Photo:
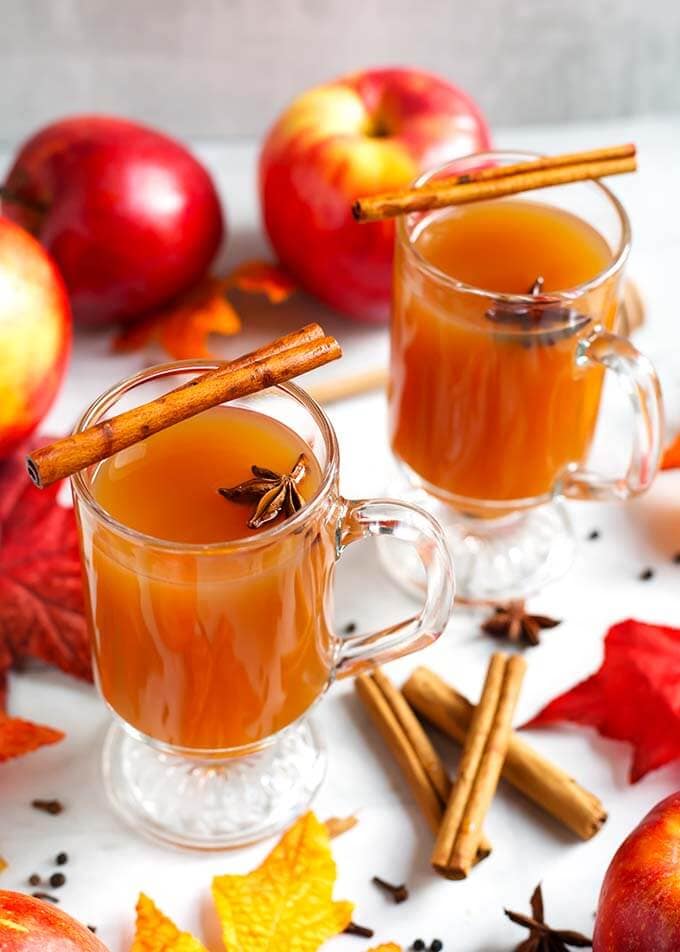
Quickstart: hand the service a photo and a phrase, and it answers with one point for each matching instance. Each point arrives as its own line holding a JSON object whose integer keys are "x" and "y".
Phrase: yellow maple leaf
{"x": 156, "y": 933}
{"x": 286, "y": 903}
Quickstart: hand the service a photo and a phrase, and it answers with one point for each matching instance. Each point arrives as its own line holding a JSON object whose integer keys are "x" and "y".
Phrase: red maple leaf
{"x": 635, "y": 695}
{"x": 41, "y": 599}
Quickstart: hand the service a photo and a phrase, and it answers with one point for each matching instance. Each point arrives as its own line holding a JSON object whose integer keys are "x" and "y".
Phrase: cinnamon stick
{"x": 276, "y": 363}
{"x": 479, "y": 769}
{"x": 410, "y": 747}
{"x": 537, "y": 778}
{"x": 626, "y": 151}
{"x": 497, "y": 182}
{"x": 352, "y": 385}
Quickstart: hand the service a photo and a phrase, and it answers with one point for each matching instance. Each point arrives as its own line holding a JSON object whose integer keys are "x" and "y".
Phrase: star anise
{"x": 551, "y": 320}
{"x": 511, "y": 620}
{"x": 274, "y": 493}
{"x": 541, "y": 937}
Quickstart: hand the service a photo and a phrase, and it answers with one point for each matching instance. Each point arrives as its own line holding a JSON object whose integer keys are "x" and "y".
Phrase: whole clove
{"x": 354, "y": 929}
{"x": 53, "y": 807}
{"x": 398, "y": 893}
{"x": 44, "y": 896}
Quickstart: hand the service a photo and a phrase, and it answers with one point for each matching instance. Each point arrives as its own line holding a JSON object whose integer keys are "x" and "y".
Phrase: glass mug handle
{"x": 364, "y": 518}
{"x": 642, "y": 385}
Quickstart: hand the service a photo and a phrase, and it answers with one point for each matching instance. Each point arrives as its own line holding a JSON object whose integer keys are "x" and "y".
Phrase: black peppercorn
{"x": 34, "y": 879}
{"x": 646, "y": 574}
{"x": 436, "y": 945}
{"x": 594, "y": 534}
{"x": 418, "y": 945}
{"x": 57, "y": 880}
{"x": 61, "y": 859}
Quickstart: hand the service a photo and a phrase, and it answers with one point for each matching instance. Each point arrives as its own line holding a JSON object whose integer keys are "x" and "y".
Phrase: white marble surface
{"x": 109, "y": 864}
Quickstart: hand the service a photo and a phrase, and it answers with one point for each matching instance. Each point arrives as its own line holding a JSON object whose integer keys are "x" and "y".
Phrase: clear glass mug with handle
{"x": 494, "y": 398}
{"x": 210, "y": 657}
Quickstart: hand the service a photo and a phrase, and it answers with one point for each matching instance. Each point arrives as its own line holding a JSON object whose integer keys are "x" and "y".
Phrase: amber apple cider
{"x": 481, "y": 407}
{"x": 219, "y": 636}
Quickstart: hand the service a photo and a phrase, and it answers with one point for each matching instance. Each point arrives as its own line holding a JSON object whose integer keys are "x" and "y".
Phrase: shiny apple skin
{"x": 130, "y": 217}
{"x": 364, "y": 133}
{"x": 33, "y": 925}
{"x": 36, "y": 329}
{"x": 639, "y": 907}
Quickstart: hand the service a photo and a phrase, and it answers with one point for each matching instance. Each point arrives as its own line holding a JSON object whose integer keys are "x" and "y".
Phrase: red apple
{"x": 639, "y": 908}
{"x": 364, "y": 133}
{"x": 129, "y": 215}
{"x": 35, "y": 334}
{"x": 33, "y": 925}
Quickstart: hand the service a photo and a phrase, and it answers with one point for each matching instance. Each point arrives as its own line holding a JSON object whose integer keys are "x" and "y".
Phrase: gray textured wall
{"x": 225, "y": 67}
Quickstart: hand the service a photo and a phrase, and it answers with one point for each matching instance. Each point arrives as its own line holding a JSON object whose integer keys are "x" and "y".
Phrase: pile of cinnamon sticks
{"x": 456, "y": 810}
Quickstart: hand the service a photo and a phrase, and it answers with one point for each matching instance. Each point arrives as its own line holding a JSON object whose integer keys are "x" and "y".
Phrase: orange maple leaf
{"x": 183, "y": 326}
{"x": 286, "y": 903}
{"x": 259, "y": 277}
{"x": 19, "y": 737}
{"x": 156, "y": 933}
{"x": 671, "y": 455}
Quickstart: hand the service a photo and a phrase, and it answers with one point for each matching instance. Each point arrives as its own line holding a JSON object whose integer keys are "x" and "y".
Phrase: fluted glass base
{"x": 211, "y": 803}
{"x": 495, "y": 559}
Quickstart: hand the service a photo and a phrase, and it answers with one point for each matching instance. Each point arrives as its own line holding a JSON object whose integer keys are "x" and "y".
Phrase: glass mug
{"x": 494, "y": 398}
{"x": 211, "y": 656}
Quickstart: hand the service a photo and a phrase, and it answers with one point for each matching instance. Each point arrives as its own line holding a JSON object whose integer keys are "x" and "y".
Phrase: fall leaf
{"x": 635, "y": 695}
{"x": 156, "y": 933}
{"x": 286, "y": 903}
{"x": 183, "y": 326}
{"x": 259, "y": 277}
{"x": 18, "y": 737}
{"x": 41, "y": 602}
{"x": 337, "y": 825}
{"x": 671, "y": 455}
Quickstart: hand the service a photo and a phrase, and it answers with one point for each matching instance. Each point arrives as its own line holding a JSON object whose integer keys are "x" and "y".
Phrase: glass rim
{"x": 620, "y": 255}
{"x": 108, "y": 399}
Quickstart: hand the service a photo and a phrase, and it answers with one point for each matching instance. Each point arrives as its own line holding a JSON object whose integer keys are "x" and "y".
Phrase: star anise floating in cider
{"x": 551, "y": 320}
{"x": 541, "y": 937}
{"x": 511, "y": 620}
{"x": 274, "y": 493}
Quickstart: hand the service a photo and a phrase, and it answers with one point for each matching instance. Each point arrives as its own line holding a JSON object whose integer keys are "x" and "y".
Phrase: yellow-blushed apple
{"x": 364, "y": 133}
{"x": 35, "y": 334}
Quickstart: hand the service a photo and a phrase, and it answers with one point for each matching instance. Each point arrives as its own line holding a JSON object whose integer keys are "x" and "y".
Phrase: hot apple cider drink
{"x": 508, "y": 274}
{"x": 200, "y": 662}
{"x": 210, "y": 521}
{"x": 488, "y": 401}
